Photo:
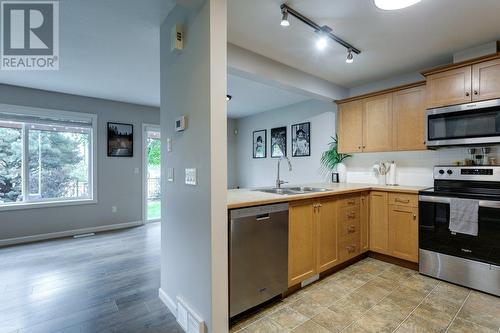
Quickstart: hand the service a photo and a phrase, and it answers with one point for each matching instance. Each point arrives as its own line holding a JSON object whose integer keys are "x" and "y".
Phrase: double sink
{"x": 292, "y": 190}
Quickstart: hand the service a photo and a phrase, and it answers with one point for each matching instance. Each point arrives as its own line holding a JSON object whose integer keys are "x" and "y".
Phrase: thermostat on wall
{"x": 180, "y": 124}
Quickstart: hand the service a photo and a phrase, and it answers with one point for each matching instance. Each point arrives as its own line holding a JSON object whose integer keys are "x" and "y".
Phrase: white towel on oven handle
{"x": 464, "y": 216}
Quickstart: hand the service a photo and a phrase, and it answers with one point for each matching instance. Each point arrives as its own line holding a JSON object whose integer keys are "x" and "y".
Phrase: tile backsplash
{"x": 413, "y": 168}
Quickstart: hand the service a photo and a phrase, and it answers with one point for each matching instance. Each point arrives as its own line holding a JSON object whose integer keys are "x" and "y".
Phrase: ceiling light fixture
{"x": 350, "y": 57}
{"x": 228, "y": 98}
{"x": 284, "y": 18}
{"x": 324, "y": 31}
{"x": 395, "y": 4}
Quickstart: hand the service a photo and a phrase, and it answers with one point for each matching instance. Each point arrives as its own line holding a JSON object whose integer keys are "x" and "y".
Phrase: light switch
{"x": 190, "y": 176}
{"x": 170, "y": 174}
{"x": 169, "y": 145}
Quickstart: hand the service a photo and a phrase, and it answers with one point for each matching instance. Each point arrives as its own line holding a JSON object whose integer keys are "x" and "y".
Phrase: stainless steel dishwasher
{"x": 258, "y": 255}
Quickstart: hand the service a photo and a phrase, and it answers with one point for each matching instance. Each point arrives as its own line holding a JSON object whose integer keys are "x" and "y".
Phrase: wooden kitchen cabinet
{"x": 403, "y": 232}
{"x": 409, "y": 119}
{"x": 486, "y": 80}
{"x": 302, "y": 237}
{"x": 327, "y": 246}
{"x": 350, "y": 129}
{"x": 379, "y": 222}
{"x": 377, "y": 123}
{"x": 449, "y": 87}
{"x": 365, "y": 222}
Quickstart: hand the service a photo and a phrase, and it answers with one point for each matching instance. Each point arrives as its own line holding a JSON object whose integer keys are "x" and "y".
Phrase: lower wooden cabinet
{"x": 327, "y": 234}
{"x": 403, "y": 232}
{"x": 379, "y": 222}
{"x": 365, "y": 222}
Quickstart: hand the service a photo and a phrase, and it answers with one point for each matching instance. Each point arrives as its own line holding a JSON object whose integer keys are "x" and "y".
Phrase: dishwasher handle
{"x": 263, "y": 217}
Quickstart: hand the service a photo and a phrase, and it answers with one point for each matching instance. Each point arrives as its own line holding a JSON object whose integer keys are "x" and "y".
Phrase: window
{"x": 46, "y": 157}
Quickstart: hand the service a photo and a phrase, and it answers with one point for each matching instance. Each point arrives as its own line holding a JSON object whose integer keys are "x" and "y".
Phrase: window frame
{"x": 63, "y": 115}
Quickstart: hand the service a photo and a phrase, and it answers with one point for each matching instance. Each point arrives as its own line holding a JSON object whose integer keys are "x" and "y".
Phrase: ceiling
{"x": 108, "y": 49}
{"x": 251, "y": 97}
{"x": 392, "y": 42}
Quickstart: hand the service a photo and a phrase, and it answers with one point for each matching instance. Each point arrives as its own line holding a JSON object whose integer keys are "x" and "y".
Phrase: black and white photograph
{"x": 278, "y": 142}
{"x": 301, "y": 140}
{"x": 120, "y": 140}
{"x": 260, "y": 144}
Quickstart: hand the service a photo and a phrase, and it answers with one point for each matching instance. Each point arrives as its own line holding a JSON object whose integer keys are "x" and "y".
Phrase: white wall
{"x": 262, "y": 172}
{"x": 194, "y": 218}
{"x": 117, "y": 184}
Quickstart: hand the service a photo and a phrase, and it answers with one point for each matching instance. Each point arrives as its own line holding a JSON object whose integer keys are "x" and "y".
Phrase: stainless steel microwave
{"x": 465, "y": 124}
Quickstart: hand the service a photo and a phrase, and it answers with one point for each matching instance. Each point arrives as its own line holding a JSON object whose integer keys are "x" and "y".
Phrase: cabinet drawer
{"x": 349, "y": 228}
{"x": 349, "y": 213}
{"x": 402, "y": 199}
{"x": 349, "y": 201}
{"x": 349, "y": 247}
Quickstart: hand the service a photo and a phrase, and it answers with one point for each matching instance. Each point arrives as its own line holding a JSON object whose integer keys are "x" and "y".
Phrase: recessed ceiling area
{"x": 251, "y": 97}
{"x": 391, "y": 42}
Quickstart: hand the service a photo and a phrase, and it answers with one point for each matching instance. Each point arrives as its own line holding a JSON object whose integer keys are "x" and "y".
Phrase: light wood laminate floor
{"x": 105, "y": 283}
{"x": 374, "y": 296}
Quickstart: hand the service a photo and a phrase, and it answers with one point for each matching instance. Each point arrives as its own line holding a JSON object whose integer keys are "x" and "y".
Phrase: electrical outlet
{"x": 114, "y": 209}
{"x": 136, "y": 171}
{"x": 191, "y": 176}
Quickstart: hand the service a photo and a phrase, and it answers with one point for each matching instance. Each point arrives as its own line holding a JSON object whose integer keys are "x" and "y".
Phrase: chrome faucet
{"x": 278, "y": 181}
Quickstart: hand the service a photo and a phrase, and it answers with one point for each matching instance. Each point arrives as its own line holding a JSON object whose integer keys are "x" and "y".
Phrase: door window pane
{"x": 58, "y": 162}
{"x": 10, "y": 162}
{"x": 154, "y": 175}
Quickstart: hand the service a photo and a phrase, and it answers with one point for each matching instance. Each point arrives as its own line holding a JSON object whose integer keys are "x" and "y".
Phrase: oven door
{"x": 466, "y": 124}
{"x": 435, "y": 236}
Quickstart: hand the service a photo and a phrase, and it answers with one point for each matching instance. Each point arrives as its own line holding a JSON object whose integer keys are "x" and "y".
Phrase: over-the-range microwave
{"x": 465, "y": 124}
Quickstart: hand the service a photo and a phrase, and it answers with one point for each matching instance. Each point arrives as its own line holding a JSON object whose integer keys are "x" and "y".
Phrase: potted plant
{"x": 332, "y": 160}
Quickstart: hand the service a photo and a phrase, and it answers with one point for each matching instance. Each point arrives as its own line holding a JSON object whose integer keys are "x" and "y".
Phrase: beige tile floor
{"x": 374, "y": 296}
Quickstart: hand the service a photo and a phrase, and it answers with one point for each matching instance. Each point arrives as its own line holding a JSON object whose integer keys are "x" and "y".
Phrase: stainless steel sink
{"x": 292, "y": 190}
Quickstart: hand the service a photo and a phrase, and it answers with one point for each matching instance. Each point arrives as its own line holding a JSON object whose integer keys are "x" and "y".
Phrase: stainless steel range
{"x": 469, "y": 260}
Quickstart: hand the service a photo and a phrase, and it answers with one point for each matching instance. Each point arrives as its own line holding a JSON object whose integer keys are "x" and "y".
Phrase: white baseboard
{"x": 169, "y": 303}
{"x": 68, "y": 233}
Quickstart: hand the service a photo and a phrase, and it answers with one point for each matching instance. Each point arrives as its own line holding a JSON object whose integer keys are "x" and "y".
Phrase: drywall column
{"x": 194, "y": 218}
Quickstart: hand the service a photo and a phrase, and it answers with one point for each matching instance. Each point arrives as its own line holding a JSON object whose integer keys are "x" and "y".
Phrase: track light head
{"x": 284, "y": 18}
{"x": 350, "y": 57}
{"x": 228, "y": 98}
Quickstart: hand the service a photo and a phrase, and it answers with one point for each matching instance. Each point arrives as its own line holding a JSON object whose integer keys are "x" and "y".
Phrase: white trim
{"x": 145, "y": 127}
{"x": 69, "y": 115}
{"x": 46, "y": 204}
{"x": 169, "y": 302}
{"x": 67, "y": 233}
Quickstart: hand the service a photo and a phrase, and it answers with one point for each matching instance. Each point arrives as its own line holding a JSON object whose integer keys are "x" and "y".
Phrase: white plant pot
{"x": 342, "y": 171}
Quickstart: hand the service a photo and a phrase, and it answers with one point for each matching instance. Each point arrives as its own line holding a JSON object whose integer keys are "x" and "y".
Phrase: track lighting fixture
{"x": 350, "y": 57}
{"x": 228, "y": 98}
{"x": 325, "y": 32}
{"x": 284, "y": 18}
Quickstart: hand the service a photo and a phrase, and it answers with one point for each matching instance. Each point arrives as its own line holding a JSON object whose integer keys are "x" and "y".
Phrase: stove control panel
{"x": 478, "y": 173}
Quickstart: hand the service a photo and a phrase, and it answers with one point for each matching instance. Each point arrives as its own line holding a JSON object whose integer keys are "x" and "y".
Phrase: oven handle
{"x": 446, "y": 200}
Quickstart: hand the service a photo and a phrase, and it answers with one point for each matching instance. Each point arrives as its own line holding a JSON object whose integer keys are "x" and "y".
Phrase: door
{"x": 152, "y": 173}
{"x": 364, "y": 222}
{"x": 409, "y": 119}
{"x": 486, "y": 80}
{"x": 326, "y": 219}
{"x": 403, "y": 232}
{"x": 377, "y": 123}
{"x": 301, "y": 242}
{"x": 449, "y": 87}
{"x": 379, "y": 222}
{"x": 350, "y": 127}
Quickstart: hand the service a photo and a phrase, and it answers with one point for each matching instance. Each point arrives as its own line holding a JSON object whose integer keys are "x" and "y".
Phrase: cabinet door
{"x": 379, "y": 222}
{"x": 403, "y": 232}
{"x": 450, "y": 87}
{"x": 301, "y": 242}
{"x": 326, "y": 221}
{"x": 409, "y": 119}
{"x": 377, "y": 123}
{"x": 486, "y": 80}
{"x": 350, "y": 129}
{"x": 364, "y": 222}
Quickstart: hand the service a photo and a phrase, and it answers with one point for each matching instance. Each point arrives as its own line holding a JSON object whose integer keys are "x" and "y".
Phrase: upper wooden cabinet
{"x": 486, "y": 80}
{"x": 388, "y": 121}
{"x": 469, "y": 81}
{"x": 449, "y": 88}
{"x": 409, "y": 119}
{"x": 377, "y": 121}
{"x": 350, "y": 128}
